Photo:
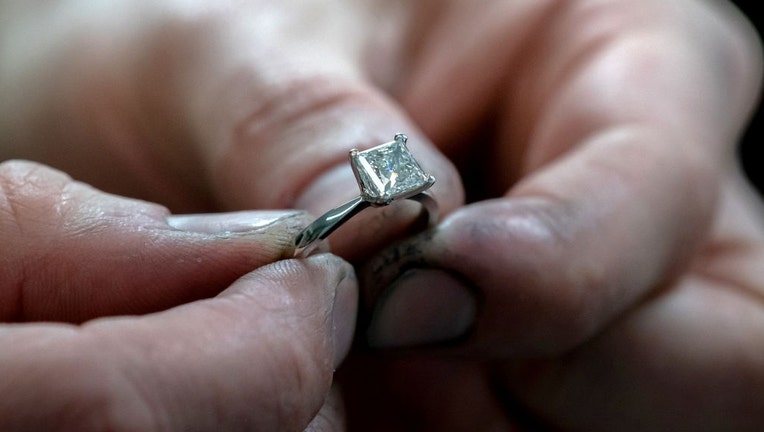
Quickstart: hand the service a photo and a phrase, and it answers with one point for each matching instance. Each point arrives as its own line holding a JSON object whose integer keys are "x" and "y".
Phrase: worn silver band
{"x": 333, "y": 219}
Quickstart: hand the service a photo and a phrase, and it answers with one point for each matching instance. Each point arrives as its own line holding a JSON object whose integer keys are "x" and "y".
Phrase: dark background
{"x": 753, "y": 164}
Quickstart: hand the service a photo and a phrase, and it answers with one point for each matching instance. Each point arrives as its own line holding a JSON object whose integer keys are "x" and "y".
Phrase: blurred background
{"x": 753, "y": 164}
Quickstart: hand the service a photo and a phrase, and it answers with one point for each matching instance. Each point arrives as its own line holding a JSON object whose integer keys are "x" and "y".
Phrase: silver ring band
{"x": 334, "y": 218}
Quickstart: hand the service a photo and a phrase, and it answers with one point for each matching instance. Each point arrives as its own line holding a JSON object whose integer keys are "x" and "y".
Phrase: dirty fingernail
{"x": 344, "y": 317}
{"x": 237, "y": 222}
{"x": 422, "y": 307}
{"x": 330, "y": 189}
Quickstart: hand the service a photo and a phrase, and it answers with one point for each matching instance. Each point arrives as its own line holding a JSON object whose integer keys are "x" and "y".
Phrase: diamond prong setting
{"x": 388, "y": 172}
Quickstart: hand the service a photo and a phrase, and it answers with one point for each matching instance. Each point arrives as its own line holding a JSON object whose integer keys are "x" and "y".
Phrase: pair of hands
{"x": 605, "y": 273}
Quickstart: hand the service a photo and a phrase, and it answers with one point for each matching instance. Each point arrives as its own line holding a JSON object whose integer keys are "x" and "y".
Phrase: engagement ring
{"x": 385, "y": 174}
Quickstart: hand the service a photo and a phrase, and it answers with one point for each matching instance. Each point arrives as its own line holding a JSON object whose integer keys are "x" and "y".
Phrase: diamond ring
{"x": 385, "y": 173}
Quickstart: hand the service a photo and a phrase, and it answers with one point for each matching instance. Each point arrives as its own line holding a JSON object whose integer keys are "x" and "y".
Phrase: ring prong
{"x": 401, "y": 138}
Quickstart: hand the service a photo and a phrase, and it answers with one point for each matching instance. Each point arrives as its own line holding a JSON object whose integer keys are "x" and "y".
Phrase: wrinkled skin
{"x": 610, "y": 254}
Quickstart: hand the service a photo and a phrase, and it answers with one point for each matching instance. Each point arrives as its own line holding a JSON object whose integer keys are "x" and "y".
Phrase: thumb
{"x": 72, "y": 253}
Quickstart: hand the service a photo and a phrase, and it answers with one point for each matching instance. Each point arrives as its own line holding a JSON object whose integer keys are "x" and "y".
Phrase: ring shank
{"x": 333, "y": 219}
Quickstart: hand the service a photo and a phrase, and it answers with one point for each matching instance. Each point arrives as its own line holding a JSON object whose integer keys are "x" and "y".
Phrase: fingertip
{"x": 422, "y": 307}
{"x": 344, "y": 315}
{"x": 319, "y": 284}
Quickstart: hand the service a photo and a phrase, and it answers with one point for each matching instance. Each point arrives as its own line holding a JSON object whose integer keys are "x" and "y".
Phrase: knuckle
{"x": 290, "y": 112}
{"x": 295, "y": 364}
{"x": 296, "y": 101}
{"x": 28, "y": 192}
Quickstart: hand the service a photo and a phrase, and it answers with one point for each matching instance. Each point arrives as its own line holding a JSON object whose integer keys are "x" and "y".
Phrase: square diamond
{"x": 388, "y": 172}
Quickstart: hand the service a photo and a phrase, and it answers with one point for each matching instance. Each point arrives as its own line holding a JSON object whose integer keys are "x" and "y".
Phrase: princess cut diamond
{"x": 388, "y": 172}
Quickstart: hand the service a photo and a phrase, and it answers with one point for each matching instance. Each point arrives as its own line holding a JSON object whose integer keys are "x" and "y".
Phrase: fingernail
{"x": 238, "y": 222}
{"x": 332, "y": 188}
{"x": 344, "y": 316}
{"x": 422, "y": 307}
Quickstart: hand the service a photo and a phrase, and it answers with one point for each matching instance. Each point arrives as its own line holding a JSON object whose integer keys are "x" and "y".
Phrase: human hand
{"x": 616, "y": 282}
{"x": 246, "y": 105}
{"x": 208, "y": 344}
{"x": 203, "y": 107}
